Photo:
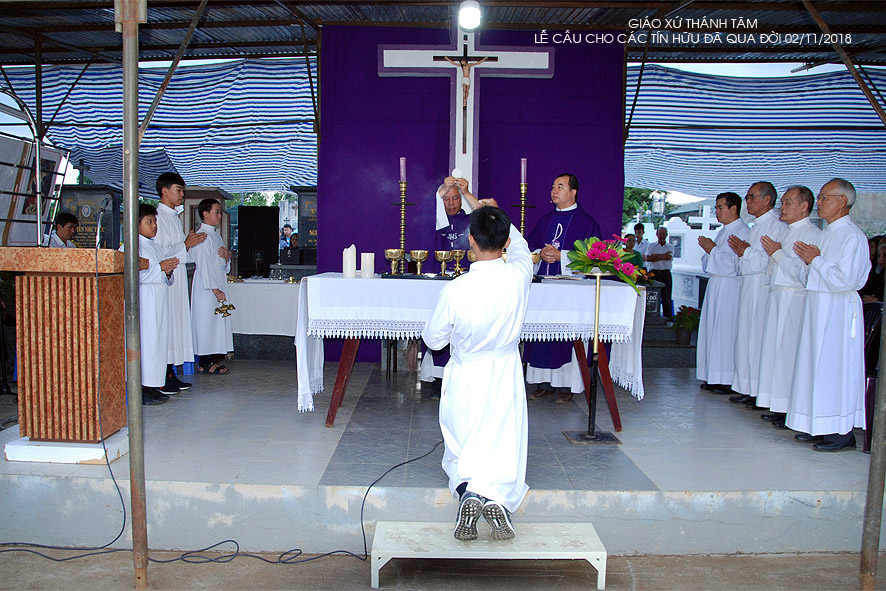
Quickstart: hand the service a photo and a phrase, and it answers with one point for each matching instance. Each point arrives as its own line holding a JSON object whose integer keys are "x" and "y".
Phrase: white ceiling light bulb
{"x": 469, "y": 15}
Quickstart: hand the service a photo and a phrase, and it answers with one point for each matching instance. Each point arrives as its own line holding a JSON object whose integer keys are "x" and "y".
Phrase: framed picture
{"x": 677, "y": 242}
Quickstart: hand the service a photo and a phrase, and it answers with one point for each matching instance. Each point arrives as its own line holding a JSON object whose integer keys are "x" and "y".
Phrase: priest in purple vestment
{"x": 551, "y": 363}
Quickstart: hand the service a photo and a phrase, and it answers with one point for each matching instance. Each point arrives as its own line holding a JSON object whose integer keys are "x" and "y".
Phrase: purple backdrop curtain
{"x": 569, "y": 123}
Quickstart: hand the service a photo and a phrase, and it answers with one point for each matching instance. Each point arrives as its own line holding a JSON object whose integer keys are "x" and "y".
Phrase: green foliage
{"x": 687, "y": 318}
{"x": 260, "y": 198}
{"x": 637, "y": 199}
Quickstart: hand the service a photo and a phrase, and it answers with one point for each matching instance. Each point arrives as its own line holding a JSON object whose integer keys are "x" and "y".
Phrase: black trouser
{"x": 667, "y": 304}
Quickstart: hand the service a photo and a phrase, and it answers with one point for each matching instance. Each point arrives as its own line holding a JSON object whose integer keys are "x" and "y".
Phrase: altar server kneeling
{"x": 483, "y": 397}
{"x": 153, "y": 310}
{"x": 213, "y": 335}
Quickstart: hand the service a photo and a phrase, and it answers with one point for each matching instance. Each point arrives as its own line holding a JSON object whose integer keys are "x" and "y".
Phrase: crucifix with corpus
{"x": 465, "y": 65}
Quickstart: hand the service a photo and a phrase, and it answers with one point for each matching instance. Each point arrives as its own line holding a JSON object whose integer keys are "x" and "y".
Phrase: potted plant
{"x": 685, "y": 321}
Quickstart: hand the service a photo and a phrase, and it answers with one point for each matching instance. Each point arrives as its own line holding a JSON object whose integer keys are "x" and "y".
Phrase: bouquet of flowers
{"x": 645, "y": 277}
{"x": 604, "y": 255}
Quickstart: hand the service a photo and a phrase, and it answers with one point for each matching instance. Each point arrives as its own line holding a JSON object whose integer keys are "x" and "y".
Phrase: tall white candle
{"x": 403, "y": 169}
{"x": 522, "y": 170}
{"x": 367, "y": 265}
{"x": 349, "y": 262}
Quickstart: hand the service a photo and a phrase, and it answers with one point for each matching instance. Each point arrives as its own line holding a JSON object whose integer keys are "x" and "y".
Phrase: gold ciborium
{"x": 472, "y": 257}
{"x": 443, "y": 256}
{"x": 457, "y": 256}
{"x": 225, "y": 309}
{"x": 394, "y": 255}
{"x": 419, "y": 256}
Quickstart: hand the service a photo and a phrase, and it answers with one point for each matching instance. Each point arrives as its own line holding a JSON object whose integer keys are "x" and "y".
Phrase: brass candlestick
{"x": 402, "y": 203}
{"x": 457, "y": 256}
{"x": 419, "y": 256}
{"x": 524, "y": 187}
{"x": 442, "y": 256}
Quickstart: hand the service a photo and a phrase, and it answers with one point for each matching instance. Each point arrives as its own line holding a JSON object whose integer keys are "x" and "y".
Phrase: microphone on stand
{"x": 98, "y": 228}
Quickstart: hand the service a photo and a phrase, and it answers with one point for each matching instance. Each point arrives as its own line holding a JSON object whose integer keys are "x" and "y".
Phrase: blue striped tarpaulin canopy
{"x": 703, "y": 134}
{"x": 247, "y": 125}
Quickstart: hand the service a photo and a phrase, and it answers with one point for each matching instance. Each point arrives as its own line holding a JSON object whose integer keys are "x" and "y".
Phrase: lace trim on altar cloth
{"x": 611, "y": 333}
{"x": 387, "y": 329}
{"x": 628, "y": 380}
{"x": 365, "y": 329}
{"x": 306, "y": 403}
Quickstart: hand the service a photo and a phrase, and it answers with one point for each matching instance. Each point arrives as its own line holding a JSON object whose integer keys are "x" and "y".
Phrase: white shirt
{"x": 657, "y": 248}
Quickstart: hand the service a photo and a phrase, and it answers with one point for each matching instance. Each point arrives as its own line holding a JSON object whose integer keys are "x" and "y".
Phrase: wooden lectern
{"x": 69, "y": 341}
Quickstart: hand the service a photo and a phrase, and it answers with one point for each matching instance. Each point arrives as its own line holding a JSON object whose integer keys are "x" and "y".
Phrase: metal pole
{"x": 873, "y": 509}
{"x": 129, "y": 23}
{"x": 38, "y": 138}
{"x": 847, "y": 61}
{"x": 595, "y": 365}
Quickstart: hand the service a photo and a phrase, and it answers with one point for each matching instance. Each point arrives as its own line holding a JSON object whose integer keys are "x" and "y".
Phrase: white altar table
{"x": 330, "y": 306}
{"x": 264, "y": 306}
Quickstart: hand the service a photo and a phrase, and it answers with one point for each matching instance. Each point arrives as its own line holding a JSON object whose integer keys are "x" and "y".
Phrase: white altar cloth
{"x": 331, "y": 306}
{"x": 264, "y": 306}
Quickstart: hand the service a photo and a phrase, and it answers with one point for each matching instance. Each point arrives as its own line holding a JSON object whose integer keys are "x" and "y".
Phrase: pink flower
{"x": 628, "y": 268}
{"x": 619, "y": 238}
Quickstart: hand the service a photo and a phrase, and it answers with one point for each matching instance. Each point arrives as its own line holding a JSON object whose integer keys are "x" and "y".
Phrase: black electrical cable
{"x": 194, "y": 557}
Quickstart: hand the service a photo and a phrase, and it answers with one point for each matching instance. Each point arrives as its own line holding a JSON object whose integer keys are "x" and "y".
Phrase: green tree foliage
{"x": 255, "y": 198}
{"x": 637, "y": 199}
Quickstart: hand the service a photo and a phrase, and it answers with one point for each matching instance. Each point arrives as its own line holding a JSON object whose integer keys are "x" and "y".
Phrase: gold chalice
{"x": 471, "y": 256}
{"x": 536, "y": 257}
{"x": 419, "y": 256}
{"x": 443, "y": 256}
{"x": 394, "y": 255}
{"x": 457, "y": 256}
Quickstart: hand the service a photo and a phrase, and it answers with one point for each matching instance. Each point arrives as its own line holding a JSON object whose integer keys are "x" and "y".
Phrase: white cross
{"x": 706, "y": 219}
{"x": 500, "y": 62}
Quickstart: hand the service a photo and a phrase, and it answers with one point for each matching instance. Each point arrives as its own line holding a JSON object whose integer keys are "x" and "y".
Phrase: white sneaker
{"x": 468, "y": 515}
{"x": 499, "y": 521}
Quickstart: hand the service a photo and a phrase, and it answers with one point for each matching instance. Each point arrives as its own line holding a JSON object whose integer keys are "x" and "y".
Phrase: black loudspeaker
{"x": 258, "y": 238}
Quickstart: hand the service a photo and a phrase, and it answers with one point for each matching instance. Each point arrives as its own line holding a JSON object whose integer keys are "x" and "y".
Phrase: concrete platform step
{"x": 534, "y": 541}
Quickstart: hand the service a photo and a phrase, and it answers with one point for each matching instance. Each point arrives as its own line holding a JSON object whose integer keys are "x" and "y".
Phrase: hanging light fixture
{"x": 469, "y": 15}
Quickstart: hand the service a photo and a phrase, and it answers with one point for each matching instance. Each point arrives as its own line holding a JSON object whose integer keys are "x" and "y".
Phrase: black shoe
{"x": 168, "y": 388}
{"x": 722, "y": 389}
{"x": 775, "y": 416}
{"x": 740, "y": 398}
{"x": 706, "y": 386}
{"x": 807, "y": 438}
{"x": 835, "y": 445}
{"x": 152, "y": 396}
{"x": 174, "y": 381}
{"x": 779, "y": 424}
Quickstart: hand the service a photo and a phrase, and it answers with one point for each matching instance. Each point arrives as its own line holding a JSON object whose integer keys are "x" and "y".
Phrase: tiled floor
{"x": 244, "y": 427}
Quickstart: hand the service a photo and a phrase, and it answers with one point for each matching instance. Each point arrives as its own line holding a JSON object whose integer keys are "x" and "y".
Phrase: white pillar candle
{"x": 349, "y": 262}
{"x": 367, "y": 265}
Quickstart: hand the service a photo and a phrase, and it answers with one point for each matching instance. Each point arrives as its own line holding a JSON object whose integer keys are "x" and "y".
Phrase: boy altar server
{"x": 153, "y": 299}
{"x": 483, "y": 397}
{"x": 213, "y": 335}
